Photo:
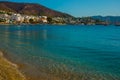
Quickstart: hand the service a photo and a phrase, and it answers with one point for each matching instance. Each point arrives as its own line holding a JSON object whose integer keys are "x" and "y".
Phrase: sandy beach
{"x": 8, "y": 70}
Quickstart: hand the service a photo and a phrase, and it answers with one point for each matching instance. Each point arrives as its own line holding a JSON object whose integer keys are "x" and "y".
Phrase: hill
{"x": 111, "y": 19}
{"x": 30, "y": 9}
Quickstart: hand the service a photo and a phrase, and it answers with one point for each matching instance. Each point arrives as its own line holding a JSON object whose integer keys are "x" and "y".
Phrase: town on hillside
{"x": 16, "y": 18}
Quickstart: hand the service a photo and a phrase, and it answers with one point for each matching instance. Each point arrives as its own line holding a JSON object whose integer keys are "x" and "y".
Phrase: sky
{"x": 80, "y": 8}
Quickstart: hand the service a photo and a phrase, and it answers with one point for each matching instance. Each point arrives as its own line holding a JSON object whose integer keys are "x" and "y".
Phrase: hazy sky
{"x": 80, "y": 8}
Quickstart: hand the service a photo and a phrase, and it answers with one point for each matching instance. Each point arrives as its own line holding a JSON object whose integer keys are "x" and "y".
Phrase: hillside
{"x": 111, "y": 19}
{"x": 30, "y": 9}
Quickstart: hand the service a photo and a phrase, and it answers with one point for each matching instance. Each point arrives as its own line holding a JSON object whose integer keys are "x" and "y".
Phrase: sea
{"x": 63, "y": 52}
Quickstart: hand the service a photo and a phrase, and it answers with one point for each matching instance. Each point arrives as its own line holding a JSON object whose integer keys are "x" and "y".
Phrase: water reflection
{"x": 62, "y": 53}
{"x": 45, "y": 34}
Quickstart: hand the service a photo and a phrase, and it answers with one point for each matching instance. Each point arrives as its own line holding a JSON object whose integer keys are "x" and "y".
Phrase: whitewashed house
{"x": 44, "y": 19}
{"x": 17, "y": 18}
{"x": 5, "y": 17}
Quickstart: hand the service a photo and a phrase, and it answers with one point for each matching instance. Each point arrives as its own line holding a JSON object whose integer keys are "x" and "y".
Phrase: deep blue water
{"x": 67, "y": 52}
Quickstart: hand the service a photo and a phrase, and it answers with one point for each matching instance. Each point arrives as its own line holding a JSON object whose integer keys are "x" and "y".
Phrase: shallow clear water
{"x": 67, "y": 52}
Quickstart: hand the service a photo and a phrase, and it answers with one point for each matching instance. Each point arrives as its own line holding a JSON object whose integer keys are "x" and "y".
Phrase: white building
{"x": 17, "y": 18}
{"x": 5, "y": 17}
{"x": 44, "y": 19}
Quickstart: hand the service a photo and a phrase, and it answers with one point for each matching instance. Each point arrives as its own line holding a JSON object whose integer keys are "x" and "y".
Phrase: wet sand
{"x": 8, "y": 70}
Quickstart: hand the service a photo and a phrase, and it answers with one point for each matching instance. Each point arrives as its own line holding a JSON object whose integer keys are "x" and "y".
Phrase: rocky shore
{"x": 8, "y": 70}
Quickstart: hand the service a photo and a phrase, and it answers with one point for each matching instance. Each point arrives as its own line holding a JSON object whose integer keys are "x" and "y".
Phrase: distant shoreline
{"x": 55, "y": 24}
{"x": 9, "y": 70}
{"x": 36, "y": 24}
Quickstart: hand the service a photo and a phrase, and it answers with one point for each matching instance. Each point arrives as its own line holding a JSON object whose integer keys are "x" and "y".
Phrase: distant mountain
{"x": 30, "y": 9}
{"x": 111, "y": 19}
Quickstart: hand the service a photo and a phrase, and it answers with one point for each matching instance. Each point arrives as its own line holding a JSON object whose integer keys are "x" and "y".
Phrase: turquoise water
{"x": 67, "y": 52}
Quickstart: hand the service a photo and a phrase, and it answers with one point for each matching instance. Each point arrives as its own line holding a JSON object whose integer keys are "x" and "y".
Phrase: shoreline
{"x": 33, "y": 24}
{"x": 9, "y": 70}
{"x": 57, "y": 24}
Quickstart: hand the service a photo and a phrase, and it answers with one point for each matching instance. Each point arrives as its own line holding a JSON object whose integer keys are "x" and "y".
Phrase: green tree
{"x": 49, "y": 19}
{"x": 2, "y": 20}
{"x": 31, "y": 20}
